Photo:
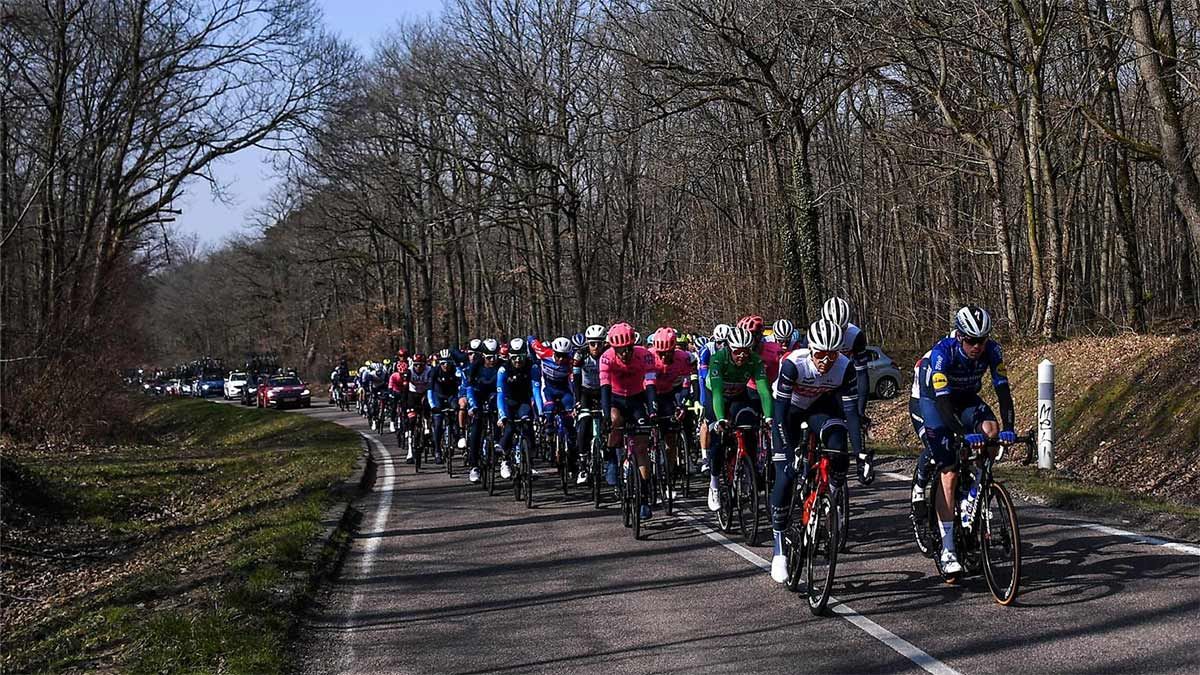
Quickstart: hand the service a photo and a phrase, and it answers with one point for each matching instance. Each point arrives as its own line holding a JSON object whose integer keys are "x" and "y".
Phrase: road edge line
{"x": 896, "y": 643}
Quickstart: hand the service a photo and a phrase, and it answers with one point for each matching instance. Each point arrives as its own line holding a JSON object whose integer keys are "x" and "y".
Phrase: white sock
{"x": 713, "y": 483}
{"x": 947, "y": 536}
{"x": 778, "y": 542}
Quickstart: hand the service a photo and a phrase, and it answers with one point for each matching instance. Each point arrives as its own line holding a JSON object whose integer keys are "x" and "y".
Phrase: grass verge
{"x": 181, "y": 554}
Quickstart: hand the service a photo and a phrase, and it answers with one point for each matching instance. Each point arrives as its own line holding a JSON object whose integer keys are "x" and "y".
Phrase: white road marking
{"x": 1105, "y": 529}
{"x": 378, "y": 525}
{"x": 901, "y": 646}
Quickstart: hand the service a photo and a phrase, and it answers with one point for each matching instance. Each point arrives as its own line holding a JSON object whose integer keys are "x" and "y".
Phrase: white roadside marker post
{"x": 1045, "y": 414}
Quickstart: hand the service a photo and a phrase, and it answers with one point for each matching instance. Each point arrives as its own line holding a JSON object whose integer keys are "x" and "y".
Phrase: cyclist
{"x": 819, "y": 386}
{"x": 585, "y": 387}
{"x": 420, "y": 377}
{"x": 719, "y": 338}
{"x": 949, "y": 380}
{"x": 854, "y": 345}
{"x": 784, "y": 333}
{"x": 729, "y": 372}
{"x": 442, "y": 395}
{"x": 555, "y": 363}
{"x": 627, "y": 376}
{"x": 397, "y": 384}
{"x": 672, "y": 384}
{"x": 479, "y": 379}
{"x": 516, "y": 398}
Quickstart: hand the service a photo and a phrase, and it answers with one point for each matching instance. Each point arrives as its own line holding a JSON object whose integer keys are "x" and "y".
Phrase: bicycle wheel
{"x": 1000, "y": 544}
{"x": 725, "y": 512}
{"x": 416, "y": 440}
{"x": 821, "y": 548}
{"x": 636, "y": 506}
{"x": 745, "y": 490}
{"x": 844, "y": 513}
{"x": 623, "y": 479}
{"x": 561, "y": 451}
{"x": 527, "y": 474}
{"x": 671, "y": 481}
{"x": 685, "y": 467}
{"x": 597, "y": 472}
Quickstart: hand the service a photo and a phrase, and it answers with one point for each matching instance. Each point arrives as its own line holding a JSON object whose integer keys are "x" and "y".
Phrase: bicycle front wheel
{"x": 746, "y": 491}
{"x": 821, "y": 549}
{"x": 844, "y": 517}
{"x": 1000, "y": 544}
{"x": 636, "y": 507}
{"x": 527, "y": 474}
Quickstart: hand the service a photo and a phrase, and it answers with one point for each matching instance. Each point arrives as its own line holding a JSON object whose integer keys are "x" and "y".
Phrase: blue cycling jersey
{"x": 517, "y": 386}
{"x": 480, "y": 383}
{"x": 947, "y": 371}
{"x": 702, "y": 360}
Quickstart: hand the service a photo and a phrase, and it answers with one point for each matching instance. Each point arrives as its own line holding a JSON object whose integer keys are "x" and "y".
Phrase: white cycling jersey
{"x": 800, "y": 382}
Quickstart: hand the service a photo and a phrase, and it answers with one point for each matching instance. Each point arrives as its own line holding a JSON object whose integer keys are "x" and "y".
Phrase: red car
{"x": 283, "y": 391}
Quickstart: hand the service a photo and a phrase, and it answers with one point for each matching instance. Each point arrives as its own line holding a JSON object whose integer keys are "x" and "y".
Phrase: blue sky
{"x": 245, "y": 177}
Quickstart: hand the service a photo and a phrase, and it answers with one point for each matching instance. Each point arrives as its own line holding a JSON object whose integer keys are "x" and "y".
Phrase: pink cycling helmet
{"x": 664, "y": 339}
{"x": 621, "y": 335}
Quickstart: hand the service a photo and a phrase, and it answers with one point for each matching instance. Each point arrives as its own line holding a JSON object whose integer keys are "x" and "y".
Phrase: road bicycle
{"x": 738, "y": 481}
{"x": 629, "y": 482}
{"x": 523, "y": 461}
{"x": 595, "y": 456}
{"x": 987, "y": 536}
{"x": 813, "y": 537}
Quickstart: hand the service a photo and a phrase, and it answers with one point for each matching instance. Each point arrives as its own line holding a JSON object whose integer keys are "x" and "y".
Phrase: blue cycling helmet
{"x": 578, "y": 341}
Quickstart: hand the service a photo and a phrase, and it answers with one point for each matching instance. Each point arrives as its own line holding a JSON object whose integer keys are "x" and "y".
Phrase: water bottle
{"x": 966, "y": 507}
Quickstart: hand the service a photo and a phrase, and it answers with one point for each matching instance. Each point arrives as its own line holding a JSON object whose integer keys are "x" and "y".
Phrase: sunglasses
{"x": 623, "y": 350}
{"x": 975, "y": 342}
{"x": 740, "y": 352}
{"x": 825, "y": 356}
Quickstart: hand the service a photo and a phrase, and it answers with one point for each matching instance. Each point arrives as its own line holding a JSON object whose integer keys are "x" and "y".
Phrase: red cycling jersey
{"x": 398, "y": 382}
{"x": 628, "y": 379}
{"x": 771, "y": 354}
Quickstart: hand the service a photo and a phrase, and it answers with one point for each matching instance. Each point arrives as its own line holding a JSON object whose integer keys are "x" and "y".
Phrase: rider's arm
{"x": 702, "y": 376}
{"x": 433, "y": 402}
{"x": 849, "y": 395}
{"x": 576, "y": 376}
{"x": 536, "y": 376}
{"x": 648, "y": 382}
{"x": 716, "y": 387}
{"x": 501, "y": 405}
{"x": 540, "y": 349}
{"x": 861, "y": 359}
{"x": 605, "y": 387}
{"x": 764, "y": 391}
{"x": 466, "y": 378}
{"x": 1003, "y": 391}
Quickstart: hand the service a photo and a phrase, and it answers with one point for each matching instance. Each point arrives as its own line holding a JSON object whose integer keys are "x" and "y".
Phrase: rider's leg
{"x": 710, "y": 443}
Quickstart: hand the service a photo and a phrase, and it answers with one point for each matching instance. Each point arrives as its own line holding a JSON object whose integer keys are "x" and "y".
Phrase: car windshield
{"x": 285, "y": 382}
{"x": 237, "y": 376}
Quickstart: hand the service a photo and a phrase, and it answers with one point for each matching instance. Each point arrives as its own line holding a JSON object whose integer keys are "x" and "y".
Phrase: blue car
{"x": 208, "y": 385}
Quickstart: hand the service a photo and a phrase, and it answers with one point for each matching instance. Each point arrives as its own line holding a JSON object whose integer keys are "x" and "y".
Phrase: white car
{"x": 234, "y": 384}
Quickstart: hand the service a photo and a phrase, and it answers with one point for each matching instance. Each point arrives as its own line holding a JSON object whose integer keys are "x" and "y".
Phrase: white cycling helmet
{"x": 783, "y": 331}
{"x": 837, "y": 310}
{"x": 475, "y": 344}
{"x": 516, "y": 346}
{"x": 824, "y": 336}
{"x": 490, "y": 346}
{"x": 740, "y": 338}
{"x": 721, "y": 332}
{"x": 594, "y": 332}
{"x": 561, "y": 345}
{"x": 973, "y": 321}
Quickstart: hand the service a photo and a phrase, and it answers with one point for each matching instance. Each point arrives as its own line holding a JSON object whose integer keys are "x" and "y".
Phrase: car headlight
{"x": 306, "y": 393}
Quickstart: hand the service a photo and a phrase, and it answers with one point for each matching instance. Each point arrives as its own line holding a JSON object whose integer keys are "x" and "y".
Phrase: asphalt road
{"x": 441, "y": 578}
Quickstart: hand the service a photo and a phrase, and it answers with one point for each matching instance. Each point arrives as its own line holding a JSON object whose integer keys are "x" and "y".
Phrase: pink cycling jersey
{"x": 673, "y": 375}
{"x": 627, "y": 379}
{"x": 771, "y": 354}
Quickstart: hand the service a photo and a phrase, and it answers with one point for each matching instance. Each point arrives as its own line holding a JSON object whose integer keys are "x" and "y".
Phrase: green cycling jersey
{"x": 727, "y": 379}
